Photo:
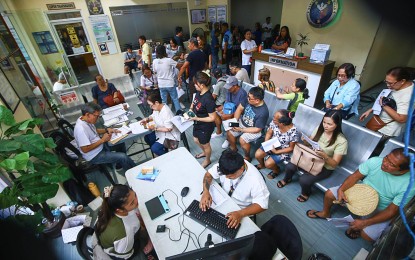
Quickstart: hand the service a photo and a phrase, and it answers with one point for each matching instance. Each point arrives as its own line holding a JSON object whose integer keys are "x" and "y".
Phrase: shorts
{"x": 277, "y": 158}
{"x": 203, "y": 132}
{"x": 247, "y": 137}
{"x": 373, "y": 231}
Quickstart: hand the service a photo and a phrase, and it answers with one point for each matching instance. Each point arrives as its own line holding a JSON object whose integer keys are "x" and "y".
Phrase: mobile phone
{"x": 233, "y": 124}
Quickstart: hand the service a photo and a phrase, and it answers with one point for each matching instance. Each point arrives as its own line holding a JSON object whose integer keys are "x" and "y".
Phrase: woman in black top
{"x": 207, "y": 50}
{"x": 283, "y": 41}
{"x": 204, "y": 122}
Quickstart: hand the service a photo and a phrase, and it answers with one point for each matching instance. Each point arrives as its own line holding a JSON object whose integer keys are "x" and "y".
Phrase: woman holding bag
{"x": 164, "y": 132}
{"x": 105, "y": 94}
{"x": 333, "y": 145}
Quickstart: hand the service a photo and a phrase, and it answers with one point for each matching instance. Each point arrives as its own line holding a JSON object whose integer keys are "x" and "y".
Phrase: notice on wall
{"x": 212, "y": 14}
{"x": 45, "y": 42}
{"x": 102, "y": 29}
{"x": 68, "y": 97}
{"x": 221, "y": 13}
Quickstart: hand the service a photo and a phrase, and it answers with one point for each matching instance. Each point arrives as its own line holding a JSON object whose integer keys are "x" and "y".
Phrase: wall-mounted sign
{"x": 60, "y": 6}
{"x": 321, "y": 12}
{"x": 217, "y": 13}
{"x": 283, "y": 62}
{"x": 94, "y": 7}
{"x": 45, "y": 42}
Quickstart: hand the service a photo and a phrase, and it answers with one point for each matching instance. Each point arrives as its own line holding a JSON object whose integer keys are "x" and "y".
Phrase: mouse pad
{"x": 157, "y": 206}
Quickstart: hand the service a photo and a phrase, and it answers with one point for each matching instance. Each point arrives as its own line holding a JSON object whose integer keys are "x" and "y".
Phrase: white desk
{"x": 178, "y": 169}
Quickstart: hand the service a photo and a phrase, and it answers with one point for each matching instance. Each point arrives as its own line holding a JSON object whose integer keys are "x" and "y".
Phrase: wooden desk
{"x": 318, "y": 76}
{"x": 178, "y": 169}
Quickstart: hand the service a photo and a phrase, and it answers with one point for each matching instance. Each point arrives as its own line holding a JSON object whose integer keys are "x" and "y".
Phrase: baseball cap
{"x": 230, "y": 82}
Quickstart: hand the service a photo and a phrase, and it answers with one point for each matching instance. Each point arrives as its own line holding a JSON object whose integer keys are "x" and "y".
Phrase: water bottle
{"x": 261, "y": 47}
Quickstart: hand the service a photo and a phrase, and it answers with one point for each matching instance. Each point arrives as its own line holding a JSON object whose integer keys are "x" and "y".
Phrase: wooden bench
{"x": 361, "y": 143}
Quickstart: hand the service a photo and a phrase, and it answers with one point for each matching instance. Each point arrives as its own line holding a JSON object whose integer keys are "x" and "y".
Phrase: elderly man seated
{"x": 252, "y": 115}
{"x": 243, "y": 183}
{"x": 93, "y": 147}
{"x": 389, "y": 176}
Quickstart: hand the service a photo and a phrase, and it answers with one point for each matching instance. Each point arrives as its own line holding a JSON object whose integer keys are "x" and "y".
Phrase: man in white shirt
{"x": 61, "y": 83}
{"x": 243, "y": 183}
{"x": 93, "y": 147}
{"x": 266, "y": 29}
{"x": 240, "y": 73}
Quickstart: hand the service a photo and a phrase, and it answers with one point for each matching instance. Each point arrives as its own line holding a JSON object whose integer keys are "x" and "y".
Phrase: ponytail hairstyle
{"x": 337, "y": 119}
{"x": 286, "y": 117}
{"x": 203, "y": 78}
{"x": 302, "y": 85}
{"x": 114, "y": 198}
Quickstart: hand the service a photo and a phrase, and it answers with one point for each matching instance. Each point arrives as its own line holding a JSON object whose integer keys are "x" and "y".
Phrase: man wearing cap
{"x": 235, "y": 95}
{"x": 219, "y": 95}
{"x": 252, "y": 115}
{"x": 243, "y": 183}
{"x": 62, "y": 82}
{"x": 390, "y": 177}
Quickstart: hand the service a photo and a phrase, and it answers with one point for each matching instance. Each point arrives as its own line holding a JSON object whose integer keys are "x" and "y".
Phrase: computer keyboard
{"x": 212, "y": 219}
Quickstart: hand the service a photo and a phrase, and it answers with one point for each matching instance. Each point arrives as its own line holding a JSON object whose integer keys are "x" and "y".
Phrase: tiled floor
{"x": 316, "y": 235}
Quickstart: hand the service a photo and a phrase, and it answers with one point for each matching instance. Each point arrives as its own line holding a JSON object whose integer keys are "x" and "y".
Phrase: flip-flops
{"x": 352, "y": 234}
{"x": 301, "y": 198}
{"x": 271, "y": 175}
{"x": 200, "y": 156}
{"x": 312, "y": 212}
{"x": 282, "y": 185}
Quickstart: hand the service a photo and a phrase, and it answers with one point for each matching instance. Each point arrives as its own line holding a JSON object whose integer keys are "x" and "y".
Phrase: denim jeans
{"x": 156, "y": 147}
{"x": 173, "y": 95}
{"x": 215, "y": 59}
{"x": 106, "y": 156}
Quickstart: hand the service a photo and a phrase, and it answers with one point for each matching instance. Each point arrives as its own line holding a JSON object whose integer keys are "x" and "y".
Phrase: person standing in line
{"x": 266, "y": 32}
{"x": 179, "y": 36}
{"x": 145, "y": 51}
{"x": 215, "y": 47}
{"x": 227, "y": 46}
{"x": 248, "y": 46}
{"x": 257, "y": 34}
{"x": 207, "y": 50}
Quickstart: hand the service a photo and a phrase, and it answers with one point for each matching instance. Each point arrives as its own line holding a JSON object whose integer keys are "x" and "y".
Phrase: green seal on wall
{"x": 321, "y": 12}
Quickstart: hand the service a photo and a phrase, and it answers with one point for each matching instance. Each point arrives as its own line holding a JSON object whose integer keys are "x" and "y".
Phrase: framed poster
{"x": 7, "y": 94}
{"x": 198, "y": 16}
{"x": 221, "y": 13}
{"x": 94, "y": 7}
{"x": 103, "y": 48}
{"x": 45, "y": 42}
{"x": 212, "y": 14}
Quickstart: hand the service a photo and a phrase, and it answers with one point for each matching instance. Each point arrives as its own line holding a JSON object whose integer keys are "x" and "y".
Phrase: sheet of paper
{"x": 114, "y": 108}
{"x": 314, "y": 144}
{"x": 322, "y": 46}
{"x": 113, "y": 114}
{"x": 116, "y": 120}
{"x": 181, "y": 126}
{"x": 226, "y": 123}
{"x": 125, "y": 130}
{"x": 217, "y": 197}
{"x": 376, "y": 106}
{"x": 137, "y": 128}
{"x": 180, "y": 92}
{"x": 271, "y": 144}
{"x": 341, "y": 222}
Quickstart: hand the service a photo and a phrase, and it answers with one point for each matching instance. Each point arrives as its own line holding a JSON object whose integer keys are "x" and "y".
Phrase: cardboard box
{"x": 73, "y": 225}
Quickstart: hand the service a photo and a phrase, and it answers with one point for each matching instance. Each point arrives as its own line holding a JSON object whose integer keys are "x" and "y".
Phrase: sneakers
{"x": 225, "y": 144}
{"x": 214, "y": 135}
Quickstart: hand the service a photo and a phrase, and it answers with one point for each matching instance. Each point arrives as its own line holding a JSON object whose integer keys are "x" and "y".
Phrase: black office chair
{"x": 70, "y": 155}
{"x": 66, "y": 128}
{"x": 85, "y": 250}
{"x": 183, "y": 135}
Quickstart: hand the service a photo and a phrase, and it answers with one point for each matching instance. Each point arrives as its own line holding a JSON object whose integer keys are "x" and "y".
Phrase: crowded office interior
{"x": 207, "y": 129}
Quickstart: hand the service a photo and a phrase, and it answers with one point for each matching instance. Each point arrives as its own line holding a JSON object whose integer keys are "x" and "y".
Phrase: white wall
{"x": 248, "y": 12}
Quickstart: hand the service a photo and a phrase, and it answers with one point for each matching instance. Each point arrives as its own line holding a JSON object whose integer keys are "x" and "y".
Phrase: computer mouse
{"x": 184, "y": 192}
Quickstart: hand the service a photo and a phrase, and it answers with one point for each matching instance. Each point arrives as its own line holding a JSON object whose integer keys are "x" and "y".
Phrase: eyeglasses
{"x": 390, "y": 84}
{"x": 251, "y": 99}
{"x": 390, "y": 162}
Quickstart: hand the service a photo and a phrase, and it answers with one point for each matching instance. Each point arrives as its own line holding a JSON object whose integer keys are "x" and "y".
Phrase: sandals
{"x": 302, "y": 198}
{"x": 280, "y": 184}
{"x": 313, "y": 214}
{"x": 200, "y": 156}
{"x": 352, "y": 234}
{"x": 271, "y": 175}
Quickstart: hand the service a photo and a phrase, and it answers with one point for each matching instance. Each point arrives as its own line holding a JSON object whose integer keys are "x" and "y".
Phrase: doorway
{"x": 78, "y": 52}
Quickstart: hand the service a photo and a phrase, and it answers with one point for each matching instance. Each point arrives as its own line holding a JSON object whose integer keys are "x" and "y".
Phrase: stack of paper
{"x": 271, "y": 144}
{"x": 124, "y": 131}
{"x": 148, "y": 177}
{"x": 181, "y": 123}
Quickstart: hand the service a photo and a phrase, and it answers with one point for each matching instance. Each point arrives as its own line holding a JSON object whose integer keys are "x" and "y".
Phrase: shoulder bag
{"x": 307, "y": 159}
{"x": 171, "y": 144}
{"x": 375, "y": 123}
{"x": 109, "y": 99}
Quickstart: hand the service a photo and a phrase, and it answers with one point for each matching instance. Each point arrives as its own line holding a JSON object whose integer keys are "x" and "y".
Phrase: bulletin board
{"x": 104, "y": 34}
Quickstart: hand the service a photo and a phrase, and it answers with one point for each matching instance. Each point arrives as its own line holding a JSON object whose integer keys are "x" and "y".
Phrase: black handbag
{"x": 171, "y": 144}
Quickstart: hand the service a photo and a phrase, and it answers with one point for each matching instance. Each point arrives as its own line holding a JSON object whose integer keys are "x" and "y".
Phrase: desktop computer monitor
{"x": 238, "y": 248}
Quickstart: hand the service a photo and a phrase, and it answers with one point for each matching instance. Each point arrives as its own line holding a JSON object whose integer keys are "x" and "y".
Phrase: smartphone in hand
{"x": 233, "y": 124}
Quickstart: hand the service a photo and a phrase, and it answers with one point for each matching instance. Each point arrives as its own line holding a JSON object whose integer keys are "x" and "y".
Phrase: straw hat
{"x": 362, "y": 199}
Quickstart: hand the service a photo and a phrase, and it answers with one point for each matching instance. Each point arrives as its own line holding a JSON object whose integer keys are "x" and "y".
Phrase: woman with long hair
{"x": 164, "y": 67}
{"x": 333, "y": 145}
{"x": 120, "y": 229}
{"x": 283, "y": 40}
{"x": 204, "y": 122}
{"x": 283, "y": 128}
{"x": 162, "y": 126}
{"x": 297, "y": 94}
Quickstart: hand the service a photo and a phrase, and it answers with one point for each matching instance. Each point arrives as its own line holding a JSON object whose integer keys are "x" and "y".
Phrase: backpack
{"x": 229, "y": 108}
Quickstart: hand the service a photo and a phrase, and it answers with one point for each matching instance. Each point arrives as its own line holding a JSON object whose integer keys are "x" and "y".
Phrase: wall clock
{"x": 321, "y": 12}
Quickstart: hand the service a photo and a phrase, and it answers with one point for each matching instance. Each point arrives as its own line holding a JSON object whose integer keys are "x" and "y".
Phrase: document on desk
{"x": 217, "y": 196}
{"x": 341, "y": 222}
{"x": 115, "y": 137}
{"x": 137, "y": 128}
{"x": 376, "y": 106}
{"x": 271, "y": 144}
{"x": 113, "y": 114}
{"x": 314, "y": 144}
{"x": 114, "y": 108}
{"x": 226, "y": 123}
{"x": 181, "y": 123}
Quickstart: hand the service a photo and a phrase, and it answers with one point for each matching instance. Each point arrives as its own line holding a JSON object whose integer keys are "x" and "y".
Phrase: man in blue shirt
{"x": 215, "y": 46}
{"x": 226, "y": 46}
{"x": 390, "y": 177}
